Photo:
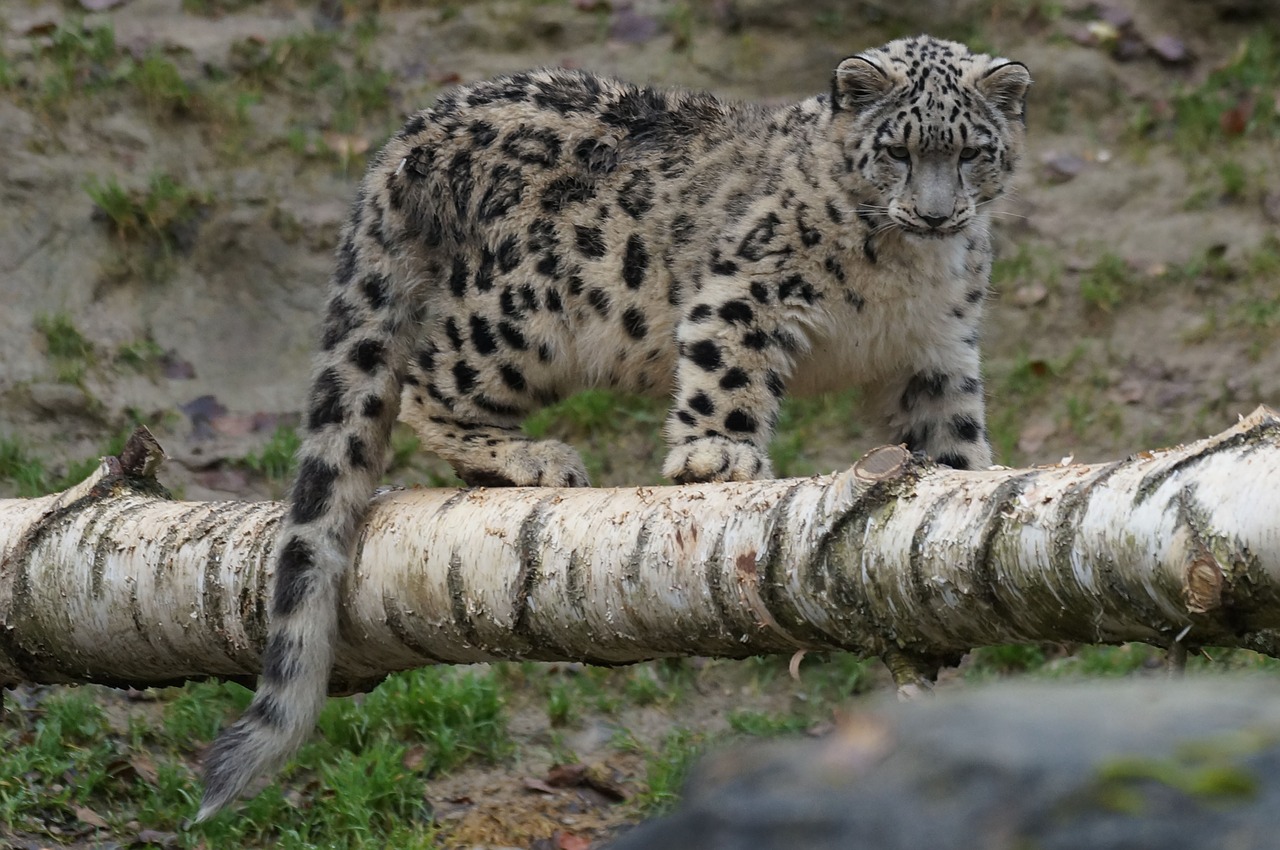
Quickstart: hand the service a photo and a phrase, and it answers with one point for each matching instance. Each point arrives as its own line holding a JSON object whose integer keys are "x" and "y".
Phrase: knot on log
{"x": 1202, "y": 584}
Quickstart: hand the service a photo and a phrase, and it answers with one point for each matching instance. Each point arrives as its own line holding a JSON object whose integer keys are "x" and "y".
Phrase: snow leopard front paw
{"x": 525, "y": 463}
{"x": 716, "y": 459}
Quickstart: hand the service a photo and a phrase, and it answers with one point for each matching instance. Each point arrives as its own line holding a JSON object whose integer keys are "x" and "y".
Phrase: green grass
{"x": 667, "y": 767}
{"x": 29, "y": 475}
{"x": 71, "y": 352}
{"x": 1235, "y": 180}
{"x": 276, "y": 460}
{"x": 763, "y": 724}
{"x": 1106, "y": 283}
{"x": 1017, "y": 387}
{"x": 62, "y": 338}
{"x": 592, "y": 421}
{"x": 364, "y": 780}
{"x": 161, "y": 87}
{"x": 370, "y": 761}
{"x": 1250, "y": 307}
{"x": 25, "y": 473}
{"x": 156, "y": 215}
{"x": 808, "y": 423}
{"x": 77, "y": 61}
{"x": 141, "y": 355}
{"x": 562, "y": 707}
{"x": 63, "y": 760}
{"x": 1237, "y": 100}
{"x": 370, "y": 767}
{"x": 456, "y": 716}
{"x": 990, "y": 662}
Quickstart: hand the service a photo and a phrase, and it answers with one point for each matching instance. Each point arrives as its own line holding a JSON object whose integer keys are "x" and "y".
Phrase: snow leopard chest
{"x": 902, "y": 307}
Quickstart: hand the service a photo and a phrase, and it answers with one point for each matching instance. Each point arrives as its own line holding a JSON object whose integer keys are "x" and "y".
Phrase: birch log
{"x": 113, "y": 582}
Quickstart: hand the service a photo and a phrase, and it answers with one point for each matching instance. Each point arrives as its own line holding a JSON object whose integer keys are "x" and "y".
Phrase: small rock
{"x": 58, "y": 399}
{"x": 41, "y": 20}
{"x": 175, "y": 368}
{"x": 1128, "y": 391}
{"x": 1030, "y": 295}
{"x": 631, "y": 27}
{"x": 1128, "y": 47}
{"x": 202, "y": 411}
{"x": 1271, "y": 207}
{"x": 1170, "y": 50}
{"x": 1059, "y": 168}
{"x": 126, "y": 129}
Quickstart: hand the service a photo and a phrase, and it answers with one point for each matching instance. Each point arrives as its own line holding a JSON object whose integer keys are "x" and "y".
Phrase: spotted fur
{"x": 544, "y": 232}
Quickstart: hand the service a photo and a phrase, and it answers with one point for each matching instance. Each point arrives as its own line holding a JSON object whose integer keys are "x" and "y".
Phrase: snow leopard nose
{"x": 934, "y": 221}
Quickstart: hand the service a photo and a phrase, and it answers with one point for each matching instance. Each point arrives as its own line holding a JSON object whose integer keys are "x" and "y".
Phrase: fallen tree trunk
{"x": 112, "y": 582}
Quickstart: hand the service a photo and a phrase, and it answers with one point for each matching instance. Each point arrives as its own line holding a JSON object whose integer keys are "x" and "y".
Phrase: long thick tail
{"x": 354, "y": 400}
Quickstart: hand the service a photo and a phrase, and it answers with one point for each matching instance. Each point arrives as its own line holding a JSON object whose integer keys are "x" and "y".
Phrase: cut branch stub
{"x": 142, "y": 454}
{"x": 882, "y": 463}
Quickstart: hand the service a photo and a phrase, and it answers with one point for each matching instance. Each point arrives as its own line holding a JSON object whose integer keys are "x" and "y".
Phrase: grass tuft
{"x": 72, "y": 354}
{"x": 276, "y": 461}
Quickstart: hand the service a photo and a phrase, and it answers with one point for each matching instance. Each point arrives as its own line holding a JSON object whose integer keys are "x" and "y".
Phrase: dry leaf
{"x": 793, "y": 667}
{"x": 566, "y": 775}
{"x": 143, "y": 765}
{"x": 1235, "y": 120}
{"x": 569, "y": 841}
{"x": 89, "y": 817}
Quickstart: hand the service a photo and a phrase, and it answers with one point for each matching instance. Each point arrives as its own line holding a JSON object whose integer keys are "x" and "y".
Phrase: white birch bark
{"x": 109, "y": 582}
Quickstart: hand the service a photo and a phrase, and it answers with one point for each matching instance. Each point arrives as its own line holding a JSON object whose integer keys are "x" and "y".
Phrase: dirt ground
{"x": 1137, "y": 299}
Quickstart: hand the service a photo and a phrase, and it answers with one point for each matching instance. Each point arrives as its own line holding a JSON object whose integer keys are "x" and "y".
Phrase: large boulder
{"x": 1137, "y": 765}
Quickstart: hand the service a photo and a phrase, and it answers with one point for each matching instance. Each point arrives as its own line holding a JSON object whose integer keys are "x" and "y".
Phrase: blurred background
{"x": 173, "y": 176}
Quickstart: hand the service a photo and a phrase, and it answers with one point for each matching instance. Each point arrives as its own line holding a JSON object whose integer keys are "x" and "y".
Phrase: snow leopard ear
{"x": 1005, "y": 84}
{"x": 857, "y": 83}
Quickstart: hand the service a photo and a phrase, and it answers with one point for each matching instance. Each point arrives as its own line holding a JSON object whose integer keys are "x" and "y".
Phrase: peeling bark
{"x": 113, "y": 582}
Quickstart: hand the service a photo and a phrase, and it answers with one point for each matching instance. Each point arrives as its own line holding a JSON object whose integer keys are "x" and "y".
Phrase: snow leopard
{"x": 544, "y": 232}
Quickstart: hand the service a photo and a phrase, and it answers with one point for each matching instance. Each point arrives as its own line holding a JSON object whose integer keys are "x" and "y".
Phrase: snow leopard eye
{"x": 967, "y": 154}
{"x": 899, "y": 152}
